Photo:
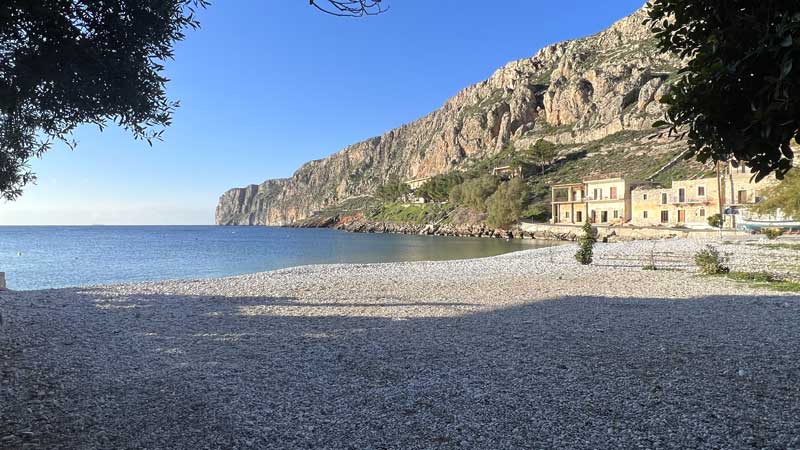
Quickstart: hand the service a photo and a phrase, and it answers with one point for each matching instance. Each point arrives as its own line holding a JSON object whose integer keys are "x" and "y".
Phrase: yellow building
{"x": 568, "y": 203}
{"x": 616, "y": 201}
{"x": 686, "y": 203}
{"x": 605, "y": 201}
{"x": 691, "y": 202}
{"x": 608, "y": 201}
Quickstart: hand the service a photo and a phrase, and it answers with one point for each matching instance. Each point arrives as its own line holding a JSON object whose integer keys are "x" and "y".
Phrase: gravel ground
{"x": 526, "y": 350}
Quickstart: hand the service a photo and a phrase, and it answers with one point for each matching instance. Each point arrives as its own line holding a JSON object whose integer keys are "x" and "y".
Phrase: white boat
{"x": 758, "y": 225}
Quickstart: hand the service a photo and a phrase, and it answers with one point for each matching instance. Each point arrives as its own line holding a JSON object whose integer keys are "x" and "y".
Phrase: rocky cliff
{"x": 572, "y": 93}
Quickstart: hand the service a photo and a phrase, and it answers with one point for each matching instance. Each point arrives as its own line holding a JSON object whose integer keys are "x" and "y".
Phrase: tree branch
{"x": 349, "y": 8}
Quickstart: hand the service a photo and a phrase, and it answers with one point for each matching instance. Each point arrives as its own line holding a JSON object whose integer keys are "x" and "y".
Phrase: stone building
{"x": 685, "y": 203}
{"x": 604, "y": 201}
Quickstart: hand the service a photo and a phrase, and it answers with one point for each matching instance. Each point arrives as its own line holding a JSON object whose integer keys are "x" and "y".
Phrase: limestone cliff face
{"x": 572, "y": 92}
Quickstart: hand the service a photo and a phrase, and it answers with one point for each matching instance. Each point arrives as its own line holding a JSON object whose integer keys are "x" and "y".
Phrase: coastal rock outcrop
{"x": 573, "y": 92}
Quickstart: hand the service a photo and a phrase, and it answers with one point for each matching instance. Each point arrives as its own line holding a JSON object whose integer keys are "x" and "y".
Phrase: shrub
{"x": 438, "y": 188}
{"x": 710, "y": 262}
{"x": 505, "y": 205}
{"x": 715, "y": 220}
{"x": 772, "y": 233}
{"x": 587, "y": 240}
{"x": 538, "y": 212}
{"x": 392, "y": 190}
{"x": 473, "y": 193}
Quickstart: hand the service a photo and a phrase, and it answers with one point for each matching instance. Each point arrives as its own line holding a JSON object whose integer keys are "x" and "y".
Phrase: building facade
{"x": 606, "y": 201}
{"x": 685, "y": 203}
{"x": 568, "y": 203}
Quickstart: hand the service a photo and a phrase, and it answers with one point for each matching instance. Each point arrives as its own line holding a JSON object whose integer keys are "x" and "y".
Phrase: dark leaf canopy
{"x": 738, "y": 98}
{"x": 69, "y": 62}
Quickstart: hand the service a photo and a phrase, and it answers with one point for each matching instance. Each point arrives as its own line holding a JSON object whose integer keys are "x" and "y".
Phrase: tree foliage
{"x": 438, "y": 188}
{"x": 739, "y": 95}
{"x": 69, "y": 62}
{"x": 474, "y": 192}
{"x": 392, "y": 190}
{"x": 784, "y": 196}
{"x": 542, "y": 153}
{"x": 507, "y": 203}
{"x": 585, "y": 252}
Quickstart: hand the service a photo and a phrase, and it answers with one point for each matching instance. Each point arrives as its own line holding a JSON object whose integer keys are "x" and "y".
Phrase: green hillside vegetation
{"x": 543, "y": 164}
{"x": 507, "y": 203}
{"x": 392, "y": 190}
{"x": 438, "y": 188}
{"x": 415, "y": 214}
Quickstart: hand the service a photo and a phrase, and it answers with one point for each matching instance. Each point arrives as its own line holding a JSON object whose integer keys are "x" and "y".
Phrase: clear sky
{"x": 266, "y": 85}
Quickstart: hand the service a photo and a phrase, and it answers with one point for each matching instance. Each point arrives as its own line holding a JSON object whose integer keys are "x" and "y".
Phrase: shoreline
{"x": 521, "y": 349}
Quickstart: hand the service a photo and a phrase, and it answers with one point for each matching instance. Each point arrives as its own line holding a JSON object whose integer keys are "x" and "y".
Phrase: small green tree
{"x": 587, "y": 240}
{"x": 715, "y": 220}
{"x": 542, "y": 153}
{"x": 507, "y": 203}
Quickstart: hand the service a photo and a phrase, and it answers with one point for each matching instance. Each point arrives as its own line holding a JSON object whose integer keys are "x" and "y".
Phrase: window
{"x": 566, "y": 214}
{"x": 664, "y": 216}
{"x": 598, "y": 194}
{"x": 681, "y": 195}
{"x": 613, "y": 193}
{"x": 579, "y": 216}
{"x": 603, "y": 216}
{"x": 644, "y": 196}
{"x": 701, "y": 212}
{"x": 644, "y": 214}
{"x": 664, "y": 198}
{"x": 616, "y": 214}
{"x": 701, "y": 191}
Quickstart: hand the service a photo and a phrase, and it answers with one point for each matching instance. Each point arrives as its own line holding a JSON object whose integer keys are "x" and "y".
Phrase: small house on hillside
{"x": 507, "y": 172}
{"x": 417, "y": 183}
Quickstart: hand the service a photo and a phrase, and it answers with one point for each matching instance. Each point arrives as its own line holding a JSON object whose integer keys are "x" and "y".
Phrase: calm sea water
{"x": 49, "y": 257}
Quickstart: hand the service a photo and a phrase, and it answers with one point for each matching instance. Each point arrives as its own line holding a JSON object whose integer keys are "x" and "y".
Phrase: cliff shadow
{"x": 569, "y": 372}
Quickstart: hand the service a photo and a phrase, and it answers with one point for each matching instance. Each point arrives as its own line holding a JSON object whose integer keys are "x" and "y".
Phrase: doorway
{"x": 681, "y": 216}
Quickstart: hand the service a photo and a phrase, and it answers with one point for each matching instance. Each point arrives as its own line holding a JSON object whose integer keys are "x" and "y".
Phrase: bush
{"x": 584, "y": 254}
{"x": 772, "y": 233}
{"x": 505, "y": 205}
{"x": 715, "y": 220}
{"x": 538, "y": 212}
{"x": 473, "y": 193}
{"x": 710, "y": 262}
{"x": 438, "y": 188}
{"x": 392, "y": 190}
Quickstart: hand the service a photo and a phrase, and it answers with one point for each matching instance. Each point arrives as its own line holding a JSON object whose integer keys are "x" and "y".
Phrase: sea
{"x": 43, "y": 257}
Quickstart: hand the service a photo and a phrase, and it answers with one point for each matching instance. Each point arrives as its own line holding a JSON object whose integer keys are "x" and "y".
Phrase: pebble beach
{"x": 524, "y": 350}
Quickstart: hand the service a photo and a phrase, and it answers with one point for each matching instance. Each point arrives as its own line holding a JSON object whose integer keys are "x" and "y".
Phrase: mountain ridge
{"x": 572, "y": 93}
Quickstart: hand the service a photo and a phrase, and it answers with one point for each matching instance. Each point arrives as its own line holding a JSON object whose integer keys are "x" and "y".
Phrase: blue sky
{"x": 266, "y": 85}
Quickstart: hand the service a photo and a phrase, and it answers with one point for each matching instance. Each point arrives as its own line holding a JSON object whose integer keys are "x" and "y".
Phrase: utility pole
{"x": 719, "y": 198}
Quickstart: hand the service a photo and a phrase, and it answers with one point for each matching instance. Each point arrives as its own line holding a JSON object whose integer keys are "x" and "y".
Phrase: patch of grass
{"x": 785, "y": 246}
{"x": 765, "y": 280}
